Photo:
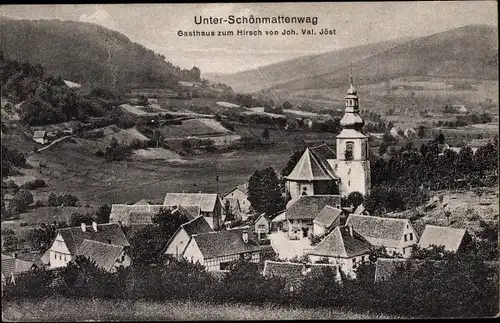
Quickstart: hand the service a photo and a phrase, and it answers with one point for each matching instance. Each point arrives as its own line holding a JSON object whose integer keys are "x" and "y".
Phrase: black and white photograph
{"x": 249, "y": 161}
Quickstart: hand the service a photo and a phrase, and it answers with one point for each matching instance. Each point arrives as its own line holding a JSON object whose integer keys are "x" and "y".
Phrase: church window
{"x": 349, "y": 183}
{"x": 349, "y": 171}
{"x": 349, "y": 148}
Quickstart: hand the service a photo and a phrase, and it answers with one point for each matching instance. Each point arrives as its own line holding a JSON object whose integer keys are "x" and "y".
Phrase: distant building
{"x": 343, "y": 247}
{"x": 139, "y": 213}
{"x": 262, "y": 225}
{"x": 327, "y": 219}
{"x": 68, "y": 241}
{"x": 300, "y": 213}
{"x": 240, "y": 192}
{"x": 279, "y": 222}
{"x": 295, "y": 273}
{"x": 217, "y": 251}
{"x": 453, "y": 239}
{"x": 210, "y": 205}
{"x": 40, "y": 136}
{"x": 396, "y": 235}
{"x": 385, "y": 268}
{"x": 179, "y": 240}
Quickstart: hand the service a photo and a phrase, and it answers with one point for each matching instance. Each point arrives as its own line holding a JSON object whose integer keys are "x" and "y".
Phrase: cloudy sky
{"x": 156, "y": 27}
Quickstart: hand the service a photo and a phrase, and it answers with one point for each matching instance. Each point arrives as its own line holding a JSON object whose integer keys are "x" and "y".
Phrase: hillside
{"x": 466, "y": 52}
{"x": 88, "y": 54}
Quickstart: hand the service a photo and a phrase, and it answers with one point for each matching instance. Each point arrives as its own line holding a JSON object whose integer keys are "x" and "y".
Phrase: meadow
{"x": 54, "y": 309}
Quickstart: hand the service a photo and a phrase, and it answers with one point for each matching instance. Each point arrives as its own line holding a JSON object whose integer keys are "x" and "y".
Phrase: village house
{"x": 40, "y": 136}
{"x": 343, "y": 247}
{"x": 279, "y": 222}
{"x": 385, "y": 268}
{"x": 262, "y": 226}
{"x": 300, "y": 213}
{"x": 68, "y": 241}
{"x": 139, "y": 213}
{"x": 453, "y": 239}
{"x": 106, "y": 256}
{"x": 217, "y": 251}
{"x": 179, "y": 240}
{"x": 210, "y": 205}
{"x": 328, "y": 218}
{"x": 294, "y": 273}
{"x": 12, "y": 267}
{"x": 397, "y": 236}
{"x": 240, "y": 192}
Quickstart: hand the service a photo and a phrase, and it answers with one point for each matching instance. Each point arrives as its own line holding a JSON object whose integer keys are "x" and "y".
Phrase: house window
{"x": 363, "y": 258}
{"x": 123, "y": 258}
{"x": 349, "y": 183}
{"x": 349, "y": 171}
{"x": 406, "y": 238}
{"x": 411, "y": 236}
{"x": 225, "y": 265}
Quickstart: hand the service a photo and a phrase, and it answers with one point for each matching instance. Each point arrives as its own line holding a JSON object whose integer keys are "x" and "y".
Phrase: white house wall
{"x": 178, "y": 243}
{"x": 59, "y": 253}
{"x": 192, "y": 253}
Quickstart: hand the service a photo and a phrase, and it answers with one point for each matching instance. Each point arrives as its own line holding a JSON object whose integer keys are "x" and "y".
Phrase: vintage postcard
{"x": 249, "y": 161}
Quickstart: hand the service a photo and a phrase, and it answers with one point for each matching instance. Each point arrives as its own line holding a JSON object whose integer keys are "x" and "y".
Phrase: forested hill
{"x": 88, "y": 54}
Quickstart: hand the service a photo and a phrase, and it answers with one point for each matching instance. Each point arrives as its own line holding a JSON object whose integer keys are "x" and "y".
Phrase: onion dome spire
{"x": 351, "y": 118}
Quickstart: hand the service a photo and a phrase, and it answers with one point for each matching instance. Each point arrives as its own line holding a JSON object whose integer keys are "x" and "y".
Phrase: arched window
{"x": 349, "y": 150}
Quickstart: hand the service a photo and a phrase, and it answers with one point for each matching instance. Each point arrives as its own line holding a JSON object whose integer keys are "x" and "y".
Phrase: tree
{"x": 292, "y": 162}
{"x": 287, "y": 105}
{"x": 41, "y": 238}
{"x": 421, "y": 132}
{"x": 169, "y": 223}
{"x": 264, "y": 191}
{"x": 78, "y": 218}
{"x": 228, "y": 211}
{"x": 10, "y": 240}
{"x": 103, "y": 214}
{"x": 382, "y": 149}
{"x": 265, "y": 133}
{"x": 20, "y": 202}
{"x": 355, "y": 199}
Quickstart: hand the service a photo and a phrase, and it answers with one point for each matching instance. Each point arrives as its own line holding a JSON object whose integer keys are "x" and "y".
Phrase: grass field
{"x": 62, "y": 309}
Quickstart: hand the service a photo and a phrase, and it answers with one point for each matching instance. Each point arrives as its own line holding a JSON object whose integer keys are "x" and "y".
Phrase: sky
{"x": 156, "y": 26}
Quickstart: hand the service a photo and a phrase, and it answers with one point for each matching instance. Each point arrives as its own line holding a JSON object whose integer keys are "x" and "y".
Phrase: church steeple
{"x": 351, "y": 118}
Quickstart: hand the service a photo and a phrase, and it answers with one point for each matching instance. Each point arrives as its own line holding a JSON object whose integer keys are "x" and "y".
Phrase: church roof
{"x": 313, "y": 165}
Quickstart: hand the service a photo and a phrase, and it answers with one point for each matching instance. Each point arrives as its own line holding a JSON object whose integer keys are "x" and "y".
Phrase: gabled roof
{"x": 39, "y": 134}
{"x": 121, "y": 212}
{"x": 197, "y": 226}
{"x": 294, "y": 273}
{"x": 142, "y": 202}
{"x": 242, "y": 187}
{"x": 263, "y": 215}
{"x": 281, "y": 216}
{"x": 308, "y": 206}
{"x": 32, "y": 257}
{"x": 191, "y": 212}
{"x": 450, "y": 238}
{"x": 327, "y": 216}
{"x": 340, "y": 243}
{"x": 205, "y": 201}
{"x": 74, "y": 236}
{"x": 386, "y": 232}
{"x": 225, "y": 243}
{"x": 312, "y": 166}
{"x": 103, "y": 254}
{"x": 14, "y": 266}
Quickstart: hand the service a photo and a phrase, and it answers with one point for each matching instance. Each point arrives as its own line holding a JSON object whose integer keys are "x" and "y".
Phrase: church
{"x": 322, "y": 171}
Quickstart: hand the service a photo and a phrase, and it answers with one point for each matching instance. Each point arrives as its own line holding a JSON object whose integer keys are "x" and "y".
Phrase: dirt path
{"x": 54, "y": 142}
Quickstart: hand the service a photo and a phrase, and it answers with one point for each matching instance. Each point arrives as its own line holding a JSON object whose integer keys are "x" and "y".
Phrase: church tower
{"x": 353, "y": 165}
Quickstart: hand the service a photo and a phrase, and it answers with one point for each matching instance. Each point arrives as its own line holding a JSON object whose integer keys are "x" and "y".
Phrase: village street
{"x": 286, "y": 248}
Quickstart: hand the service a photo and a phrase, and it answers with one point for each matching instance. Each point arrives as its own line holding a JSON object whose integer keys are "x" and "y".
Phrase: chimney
{"x": 14, "y": 255}
{"x": 94, "y": 226}
{"x": 84, "y": 227}
{"x": 350, "y": 231}
{"x": 245, "y": 236}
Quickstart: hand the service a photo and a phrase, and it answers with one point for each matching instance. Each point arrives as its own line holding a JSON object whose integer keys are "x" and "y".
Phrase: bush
{"x": 32, "y": 185}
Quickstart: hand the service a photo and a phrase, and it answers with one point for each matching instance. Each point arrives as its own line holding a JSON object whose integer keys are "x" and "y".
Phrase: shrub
{"x": 31, "y": 185}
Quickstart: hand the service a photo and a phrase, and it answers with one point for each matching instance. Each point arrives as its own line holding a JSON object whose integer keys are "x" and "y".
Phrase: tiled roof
{"x": 450, "y": 238}
{"x": 39, "y": 134}
{"x": 74, "y": 236}
{"x": 280, "y": 217}
{"x": 327, "y": 216}
{"x": 360, "y": 209}
{"x": 242, "y": 187}
{"x": 263, "y": 215}
{"x": 205, "y": 201}
{"x": 121, "y": 212}
{"x": 294, "y": 273}
{"x": 340, "y": 243}
{"x": 11, "y": 265}
{"x": 308, "y": 206}
{"x": 312, "y": 166}
{"x": 103, "y": 254}
{"x": 225, "y": 242}
{"x": 379, "y": 231}
{"x": 197, "y": 226}
{"x": 32, "y": 257}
